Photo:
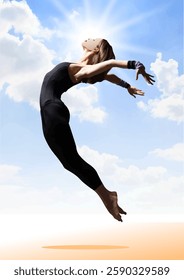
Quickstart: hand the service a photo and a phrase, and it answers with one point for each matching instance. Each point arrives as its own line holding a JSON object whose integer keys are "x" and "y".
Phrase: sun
{"x": 91, "y": 21}
{"x": 77, "y": 25}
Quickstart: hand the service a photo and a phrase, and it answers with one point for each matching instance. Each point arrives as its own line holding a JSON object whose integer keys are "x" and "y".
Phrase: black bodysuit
{"x": 55, "y": 122}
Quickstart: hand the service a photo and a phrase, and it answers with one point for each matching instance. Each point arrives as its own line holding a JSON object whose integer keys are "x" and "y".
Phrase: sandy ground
{"x": 51, "y": 237}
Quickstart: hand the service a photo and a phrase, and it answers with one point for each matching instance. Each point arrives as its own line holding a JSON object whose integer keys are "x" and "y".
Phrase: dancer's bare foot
{"x": 112, "y": 206}
{"x": 110, "y": 200}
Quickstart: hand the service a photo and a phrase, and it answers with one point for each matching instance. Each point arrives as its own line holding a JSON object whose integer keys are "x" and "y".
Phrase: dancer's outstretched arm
{"x": 133, "y": 91}
{"x": 88, "y": 71}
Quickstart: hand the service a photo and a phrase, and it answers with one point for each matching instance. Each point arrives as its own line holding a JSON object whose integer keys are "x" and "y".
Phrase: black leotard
{"x": 55, "y": 83}
{"x": 55, "y": 122}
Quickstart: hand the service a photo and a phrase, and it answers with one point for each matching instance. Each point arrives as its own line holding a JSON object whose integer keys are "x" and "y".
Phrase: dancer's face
{"x": 91, "y": 44}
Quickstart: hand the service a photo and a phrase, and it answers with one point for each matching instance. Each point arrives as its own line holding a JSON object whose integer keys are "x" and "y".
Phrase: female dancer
{"x": 94, "y": 66}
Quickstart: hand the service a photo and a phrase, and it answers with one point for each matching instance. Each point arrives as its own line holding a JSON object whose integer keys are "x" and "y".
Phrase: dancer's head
{"x": 91, "y": 44}
{"x": 100, "y": 50}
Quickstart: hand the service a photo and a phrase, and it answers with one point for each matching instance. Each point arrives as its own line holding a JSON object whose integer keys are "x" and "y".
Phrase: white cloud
{"x": 83, "y": 102}
{"x": 25, "y": 63}
{"x": 175, "y": 153}
{"x": 151, "y": 189}
{"x": 27, "y": 199}
{"x": 18, "y": 17}
{"x": 8, "y": 172}
{"x": 17, "y": 198}
{"x": 111, "y": 167}
{"x": 170, "y": 104}
{"x": 74, "y": 15}
{"x": 26, "y": 59}
{"x": 142, "y": 190}
{"x": 163, "y": 197}
{"x": 104, "y": 162}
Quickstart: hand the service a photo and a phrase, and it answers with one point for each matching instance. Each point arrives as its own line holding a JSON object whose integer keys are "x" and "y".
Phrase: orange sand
{"x": 134, "y": 241}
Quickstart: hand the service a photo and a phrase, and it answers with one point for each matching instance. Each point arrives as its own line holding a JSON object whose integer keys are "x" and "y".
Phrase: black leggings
{"x": 55, "y": 121}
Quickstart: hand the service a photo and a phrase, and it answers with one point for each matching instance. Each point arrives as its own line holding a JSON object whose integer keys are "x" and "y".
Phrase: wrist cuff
{"x": 132, "y": 64}
{"x": 124, "y": 84}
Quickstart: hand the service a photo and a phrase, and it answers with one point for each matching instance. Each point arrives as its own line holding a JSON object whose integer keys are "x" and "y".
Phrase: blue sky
{"x": 136, "y": 145}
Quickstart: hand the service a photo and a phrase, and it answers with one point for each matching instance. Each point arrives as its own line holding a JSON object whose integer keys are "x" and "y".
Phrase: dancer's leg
{"x": 60, "y": 139}
{"x": 55, "y": 119}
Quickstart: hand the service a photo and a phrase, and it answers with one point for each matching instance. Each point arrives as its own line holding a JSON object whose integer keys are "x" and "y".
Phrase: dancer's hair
{"x": 105, "y": 53}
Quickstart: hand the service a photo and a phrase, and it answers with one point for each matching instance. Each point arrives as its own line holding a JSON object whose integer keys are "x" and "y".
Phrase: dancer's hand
{"x": 135, "y": 91}
{"x": 146, "y": 76}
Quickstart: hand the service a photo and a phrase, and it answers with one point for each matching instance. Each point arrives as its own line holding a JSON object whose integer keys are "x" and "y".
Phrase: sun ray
{"x": 89, "y": 21}
{"x": 87, "y": 9}
{"x": 60, "y": 7}
{"x": 134, "y": 20}
{"x": 107, "y": 13}
{"x": 125, "y": 47}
